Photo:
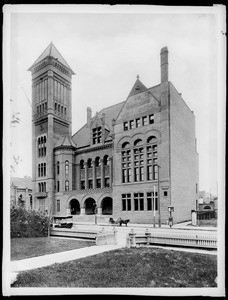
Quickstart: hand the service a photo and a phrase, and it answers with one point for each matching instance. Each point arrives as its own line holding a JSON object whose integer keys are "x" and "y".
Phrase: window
{"x": 44, "y": 169}
{"x": 58, "y": 107}
{"x": 55, "y": 106}
{"x": 57, "y": 186}
{"x": 139, "y": 201}
{"x": 66, "y": 167}
{"x": 126, "y": 166}
{"x": 57, "y": 205}
{"x": 62, "y": 109}
{"x": 107, "y": 182}
{"x": 97, "y": 161}
{"x": 151, "y": 201}
{"x": 131, "y": 124}
{"x": 144, "y": 121}
{"x": 151, "y": 119}
{"x": 99, "y": 183}
{"x": 90, "y": 182}
{"x": 89, "y": 163}
{"x": 65, "y": 110}
{"x": 137, "y": 123}
{"x": 152, "y": 168}
{"x": 82, "y": 184}
{"x": 82, "y": 164}
{"x": 96, "y": 135}
{"x": 196, "y": 188}
{"x": 165, "y": 193}
{"x": 38, "y": 170}
{"x": 126, "y": 202}
{"x": 138, "y": 165}
{"x": 67, "y": 185}
{"x": 42, "y": 146}
{"x": 106, "y": 160}
{"x": 42, "y": 205}
{"x": 57, "y": 168}
{"x": 45, "y": 105}
{"x": 125, "y": 126}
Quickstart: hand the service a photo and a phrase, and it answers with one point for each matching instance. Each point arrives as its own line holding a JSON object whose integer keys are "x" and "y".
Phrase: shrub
{"x": 24, "y": 223}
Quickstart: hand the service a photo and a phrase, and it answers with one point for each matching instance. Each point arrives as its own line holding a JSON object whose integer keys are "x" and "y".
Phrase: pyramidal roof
{"x": 52, "y": 51}
{"x": 138, "y": 87}
{"x": 66, "y": 142}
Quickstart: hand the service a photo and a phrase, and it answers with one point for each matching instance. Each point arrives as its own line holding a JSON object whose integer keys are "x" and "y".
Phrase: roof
{"x": 82, "y": 137}
{"x": 53, "y": 52}
{"x": 138, "y": 87}
{"x": 22, "y": 183}
{"x": 65, "y": 142}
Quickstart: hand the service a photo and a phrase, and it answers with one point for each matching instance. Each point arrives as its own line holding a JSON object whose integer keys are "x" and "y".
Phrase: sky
{"x": 107, "y": 48}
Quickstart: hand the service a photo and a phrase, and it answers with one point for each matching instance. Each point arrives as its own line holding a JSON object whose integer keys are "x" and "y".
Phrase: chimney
{"x": 164, "y": 64}
{"x": 89, "y": 116}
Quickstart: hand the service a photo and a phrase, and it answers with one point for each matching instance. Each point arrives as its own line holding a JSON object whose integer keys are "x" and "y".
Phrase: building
{"x": 129, "y": 160}
{"x": 21, "y": 192}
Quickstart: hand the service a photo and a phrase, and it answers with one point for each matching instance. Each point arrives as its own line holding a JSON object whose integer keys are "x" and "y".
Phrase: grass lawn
{"x": 135, "y": 267}
{"x": 22, "y": 248}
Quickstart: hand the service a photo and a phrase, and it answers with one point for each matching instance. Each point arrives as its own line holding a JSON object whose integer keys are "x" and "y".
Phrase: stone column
{"x": 82, "y": 211}
{"x": 99, "y": 211}
{"x": 102, "y": 173}
{"x": 94, "y": 175}
{"x": 86, "y": 175}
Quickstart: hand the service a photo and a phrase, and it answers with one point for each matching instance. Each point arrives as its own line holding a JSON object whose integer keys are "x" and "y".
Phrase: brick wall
{"x": 184, "y": 159}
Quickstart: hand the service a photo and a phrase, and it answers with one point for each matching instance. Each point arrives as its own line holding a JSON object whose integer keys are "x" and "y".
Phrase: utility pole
{"x": 159, "y": 204}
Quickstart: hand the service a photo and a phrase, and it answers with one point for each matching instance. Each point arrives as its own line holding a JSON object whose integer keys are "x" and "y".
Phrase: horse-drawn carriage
{"x": 118, "y": 221}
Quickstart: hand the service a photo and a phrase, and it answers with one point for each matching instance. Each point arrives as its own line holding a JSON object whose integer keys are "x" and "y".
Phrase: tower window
{"x": 57, "y": 168}
{"x": 66, "y": 167}
{"x": 151, "y": 119}
{"x": 67, "y": 185}
{"x": 125, "y": 126}
{"x": 96, "y": 135}
{"x": 57, "y": 205}
{"x": 144, "y": 121}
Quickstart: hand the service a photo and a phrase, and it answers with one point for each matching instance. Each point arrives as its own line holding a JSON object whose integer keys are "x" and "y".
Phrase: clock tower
{"x": 51, "y": 118}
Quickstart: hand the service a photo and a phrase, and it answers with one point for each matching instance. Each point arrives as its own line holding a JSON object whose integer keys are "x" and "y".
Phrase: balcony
{"x": 41, "y": 194}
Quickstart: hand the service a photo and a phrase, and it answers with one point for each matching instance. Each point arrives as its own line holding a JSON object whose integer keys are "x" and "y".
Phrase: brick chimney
{"x": 89, "y": 116}
{"x": 164, "y": 64}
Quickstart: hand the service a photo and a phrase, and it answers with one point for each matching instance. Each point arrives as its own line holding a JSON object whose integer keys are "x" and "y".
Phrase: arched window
{"x": 67, "y": 185}
{"x": 106, "y": 160}
{"x": 151, "y": 139}
{"x": 126, "y": 166}
{"x": 97, "y": 161}
{"x": 138, "y": 162}
{"x": 82, "y": 164}
{"x": 89, "y": 163}
{"x": 57, "y": 168}
{"x": 152, "y": 168}
{"x": 138, "y": 142}
{"x": 66, "y": 167}
{"x": 125, "y": 145}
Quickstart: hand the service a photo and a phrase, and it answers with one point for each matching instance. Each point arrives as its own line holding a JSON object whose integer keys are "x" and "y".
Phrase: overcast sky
{"x": 107, "y": 51}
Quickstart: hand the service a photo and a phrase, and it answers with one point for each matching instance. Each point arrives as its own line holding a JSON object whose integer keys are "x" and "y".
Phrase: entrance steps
{"x": 91, "y": 219}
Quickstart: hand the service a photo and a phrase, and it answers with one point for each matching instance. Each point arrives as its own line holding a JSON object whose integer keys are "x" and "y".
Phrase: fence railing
{"x": 176, "y": 239}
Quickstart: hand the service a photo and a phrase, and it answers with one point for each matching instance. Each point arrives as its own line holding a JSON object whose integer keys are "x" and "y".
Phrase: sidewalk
{"x": 47, "y": 260}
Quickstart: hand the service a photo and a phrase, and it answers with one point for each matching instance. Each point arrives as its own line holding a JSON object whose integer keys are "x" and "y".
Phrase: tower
{"x": 51, "y": 118}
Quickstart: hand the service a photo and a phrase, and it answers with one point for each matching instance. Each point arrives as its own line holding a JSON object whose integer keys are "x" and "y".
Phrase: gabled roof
{"x": 138, "y": 87}
{"x": 65, "y": 142}
{"x": 82, "y": 136}
{"x": 22, "y": 183}
{"x": 53, "y": 52}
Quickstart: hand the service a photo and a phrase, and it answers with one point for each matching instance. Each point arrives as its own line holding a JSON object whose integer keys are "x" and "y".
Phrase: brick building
{"x": 126, "y": 161}
{"x": 21, "y": 192}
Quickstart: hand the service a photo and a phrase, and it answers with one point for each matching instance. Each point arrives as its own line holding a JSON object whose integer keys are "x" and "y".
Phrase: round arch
{"x": 74, "y": 207}
{"x": 106, "y": 205}
{"x": 90, "y": 206}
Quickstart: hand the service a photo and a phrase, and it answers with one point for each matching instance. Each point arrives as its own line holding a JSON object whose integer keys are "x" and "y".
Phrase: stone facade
{"x": 131, "y": 160}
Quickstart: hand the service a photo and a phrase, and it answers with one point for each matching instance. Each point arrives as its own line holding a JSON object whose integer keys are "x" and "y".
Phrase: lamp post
{"x": 171, "y": 209}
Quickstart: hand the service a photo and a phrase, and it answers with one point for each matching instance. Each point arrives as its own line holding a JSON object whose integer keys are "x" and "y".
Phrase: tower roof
{"x": 65, "y": 142}
{"x": 51, "y": 51}
{"x": 138, "y": 87}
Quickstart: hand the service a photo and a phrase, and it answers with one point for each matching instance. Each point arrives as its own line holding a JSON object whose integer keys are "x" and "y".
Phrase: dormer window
{"x": 97, "y": 135}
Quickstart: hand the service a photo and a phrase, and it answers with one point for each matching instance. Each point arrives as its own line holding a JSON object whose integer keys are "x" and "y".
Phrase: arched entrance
{"x": 90, "y": 205}
{"x": 107, "y": 206}
{"x": 74, "y": 207}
